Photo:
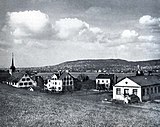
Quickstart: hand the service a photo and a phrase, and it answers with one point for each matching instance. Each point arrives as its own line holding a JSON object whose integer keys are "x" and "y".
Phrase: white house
{"x": 104, "y": 81}
{"x": 21, "y": 80}
{"x": 145, "y": 87}
{"x": 54, "y": 84}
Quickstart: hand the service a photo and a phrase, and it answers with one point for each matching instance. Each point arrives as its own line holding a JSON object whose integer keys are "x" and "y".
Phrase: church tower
{"x": 12, "y": 68}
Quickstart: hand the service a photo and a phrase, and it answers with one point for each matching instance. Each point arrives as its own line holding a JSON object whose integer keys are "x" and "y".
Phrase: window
{"x": 28, "y": 79}
{"x": 155, "y": 89}
{"x": 49, "y": 80}
{"x": 21, "y": 84}
{"x": 106, "y": 81}
{"x": 25, "y": 83}
{"x": 23, "y": 79}
{"x": 118, "y": 91}
{"x": 102, "y": 80}
{"x": 25, "y": 75}
{"x": 59, "y": 88}
{"x": 151, "y": 90}
{"x": 143, "y": 92}
{"x": 135, "y": 91}
{"x": 71, "y": 83}
{"x": 126, "y": 82}
{"x": 159, "y": 89}
{"x": 30, "y": 83}
{"x": 126, "y": 91}
{"x": 63, "y": 83}
{"x": 68, "y": 83}
{"x": 147, "y": 90}
{"x": 55, "y": 83}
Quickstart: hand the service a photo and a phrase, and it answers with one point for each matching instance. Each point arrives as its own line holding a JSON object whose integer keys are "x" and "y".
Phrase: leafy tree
{"x": 82, "y": 77}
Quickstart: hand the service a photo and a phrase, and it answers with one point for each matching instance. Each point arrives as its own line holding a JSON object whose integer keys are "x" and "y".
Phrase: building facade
{"x": 145, "y": 87}
{"x": 54, "y": 84}
{"x": 104, "y": 81}
{"x": 21, "y": 80}
{"x": 67, "y": 81}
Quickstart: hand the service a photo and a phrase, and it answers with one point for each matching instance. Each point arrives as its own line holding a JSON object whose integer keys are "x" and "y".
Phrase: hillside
{"x": 108, "y": 65}
{"x": 22, "y": 108}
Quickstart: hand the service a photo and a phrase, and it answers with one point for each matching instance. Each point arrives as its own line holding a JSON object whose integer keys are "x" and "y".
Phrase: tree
{"x": 82, "y": 77}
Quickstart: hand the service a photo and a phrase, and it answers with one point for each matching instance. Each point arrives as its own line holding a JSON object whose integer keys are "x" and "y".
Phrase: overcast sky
{"x": 48, "y": 32}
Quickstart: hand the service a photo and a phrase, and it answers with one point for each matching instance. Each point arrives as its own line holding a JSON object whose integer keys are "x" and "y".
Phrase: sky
{"x": 48, "y": 32}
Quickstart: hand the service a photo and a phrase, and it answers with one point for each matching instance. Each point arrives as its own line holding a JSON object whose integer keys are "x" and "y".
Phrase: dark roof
{"x": 64, "y": 74}
{"x": 16, "y": 76}
{"x": 4, "y": 76}
{"x": 105, "y": 76}
{"x": 146, "y": 80}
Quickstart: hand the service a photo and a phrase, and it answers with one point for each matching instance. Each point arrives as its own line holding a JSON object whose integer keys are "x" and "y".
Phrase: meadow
{"x": 22, "y": 108}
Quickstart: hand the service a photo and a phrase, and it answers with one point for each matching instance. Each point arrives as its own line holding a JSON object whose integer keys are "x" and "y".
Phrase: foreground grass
{"x": 19, "y": 108}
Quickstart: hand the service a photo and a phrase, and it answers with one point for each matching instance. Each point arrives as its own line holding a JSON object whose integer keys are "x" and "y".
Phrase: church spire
{"x": 12, "y": 64}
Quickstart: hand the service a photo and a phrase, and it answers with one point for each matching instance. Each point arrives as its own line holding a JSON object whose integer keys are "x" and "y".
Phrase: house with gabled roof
{"x": 104, "y": 81}
{"x": 145, "y": 87}
{"x": 54, "y": 83}
{"x": 67, "y": 81}
{"x": 58, "y": 81}
{"x": 21, "y": 80}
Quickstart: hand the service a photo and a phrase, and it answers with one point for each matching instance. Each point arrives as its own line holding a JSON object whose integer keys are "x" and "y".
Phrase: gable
{"x": 26, "y": 77}
{"x": 66, "y": 75}
{"x": 54, "y": 76}
{"x": 126, "y": 82}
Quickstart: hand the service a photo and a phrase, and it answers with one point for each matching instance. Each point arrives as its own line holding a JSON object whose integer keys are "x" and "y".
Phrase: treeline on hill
{"x": 108, "y": 65}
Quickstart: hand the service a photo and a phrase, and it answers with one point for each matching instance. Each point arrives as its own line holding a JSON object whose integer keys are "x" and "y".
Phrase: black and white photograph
{"x": 79, "y": 63}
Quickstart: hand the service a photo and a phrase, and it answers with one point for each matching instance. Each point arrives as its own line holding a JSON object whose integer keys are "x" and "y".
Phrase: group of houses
{"x": 145, "y": 87}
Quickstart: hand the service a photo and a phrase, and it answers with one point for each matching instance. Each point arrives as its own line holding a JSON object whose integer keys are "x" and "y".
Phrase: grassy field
{"x": 22, "y": 108}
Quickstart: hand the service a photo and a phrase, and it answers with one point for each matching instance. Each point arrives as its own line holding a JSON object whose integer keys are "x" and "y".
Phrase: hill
{"x": 22, "y": 108}
{"x": 107, "y": 65}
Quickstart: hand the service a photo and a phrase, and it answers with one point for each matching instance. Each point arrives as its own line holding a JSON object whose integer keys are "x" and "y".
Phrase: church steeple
{"x": 13, "y": 68}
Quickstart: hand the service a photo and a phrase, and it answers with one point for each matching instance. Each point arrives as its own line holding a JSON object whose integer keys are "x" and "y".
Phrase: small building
{"x": 21, "y": 80}
{"x": 104, "y": 81}
{"x": 145, "y": 87}
{"x": 54, "y": 83}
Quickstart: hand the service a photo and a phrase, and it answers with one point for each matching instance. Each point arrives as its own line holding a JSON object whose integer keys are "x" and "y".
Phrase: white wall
{"x": 126, "y": 84}
{"x": 54, "y": 83}
{"x": 103, "y": 81}
{"x": 107, "y": 82}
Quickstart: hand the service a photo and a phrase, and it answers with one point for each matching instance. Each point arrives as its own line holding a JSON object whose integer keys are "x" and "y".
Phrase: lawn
{"x": 22, "y": 108}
